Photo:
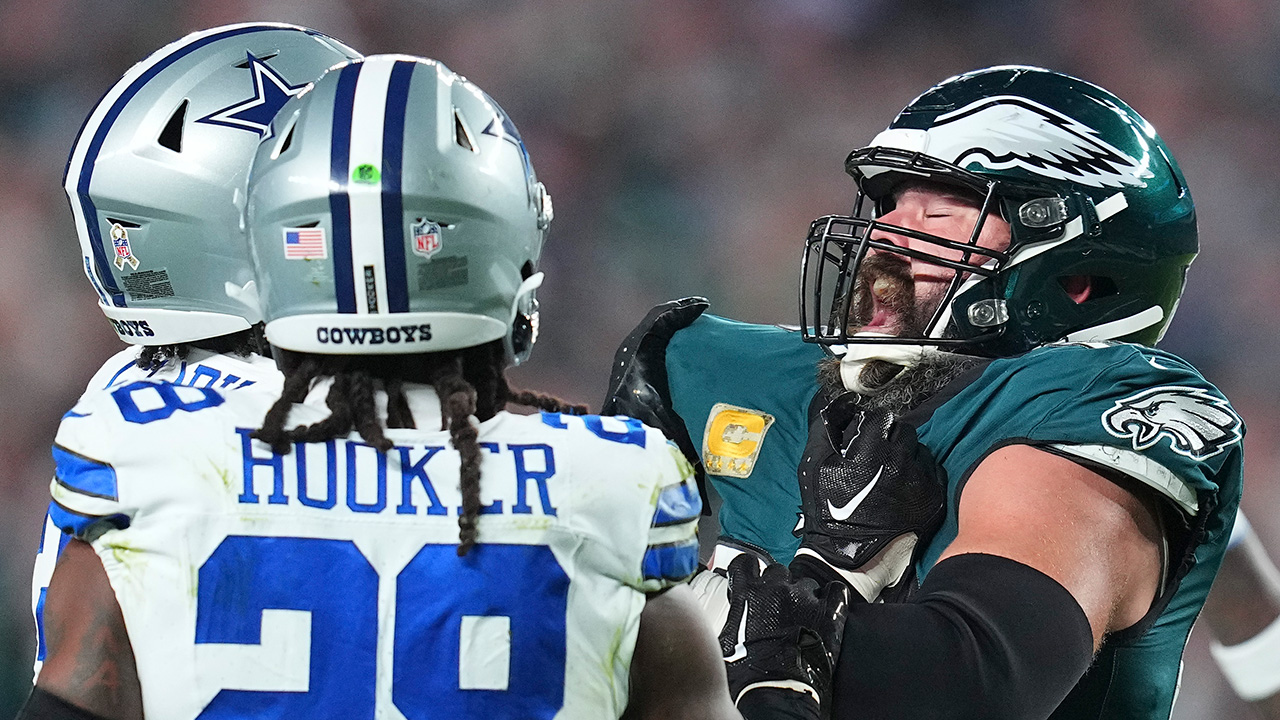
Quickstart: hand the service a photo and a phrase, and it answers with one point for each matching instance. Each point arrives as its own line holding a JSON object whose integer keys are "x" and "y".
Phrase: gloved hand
{"x": 869, "y": 491}
{"x": 781, "y": 640}
{"x": 638, "y": 383}
{"x": 711, "y": 583}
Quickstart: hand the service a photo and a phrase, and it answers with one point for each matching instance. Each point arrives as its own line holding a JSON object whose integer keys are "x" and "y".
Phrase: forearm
{"x": 984, "y": 632}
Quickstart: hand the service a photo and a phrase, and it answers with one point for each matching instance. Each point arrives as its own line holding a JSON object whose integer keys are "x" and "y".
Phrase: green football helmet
{"x": 394, "y": 210}
{"x": 1088, "y": 189}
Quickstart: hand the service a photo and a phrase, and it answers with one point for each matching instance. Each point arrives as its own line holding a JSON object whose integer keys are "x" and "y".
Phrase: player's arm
{"x": 1243, "y": 611}
{"x": 1049, "y": 558}
{"x": 677, "y": 671}
{"x": 89, "y": 669}
{"x": 1088, "y": 533}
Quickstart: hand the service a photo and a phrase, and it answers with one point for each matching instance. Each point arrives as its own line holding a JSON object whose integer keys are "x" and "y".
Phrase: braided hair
{"x": 470, "y": 381}
{"x": 243, "y": 343}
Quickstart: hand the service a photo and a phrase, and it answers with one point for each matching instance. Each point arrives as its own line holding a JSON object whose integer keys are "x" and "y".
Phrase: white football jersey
{"x": 326, "y": 583}
{"x": 200, "y": 368}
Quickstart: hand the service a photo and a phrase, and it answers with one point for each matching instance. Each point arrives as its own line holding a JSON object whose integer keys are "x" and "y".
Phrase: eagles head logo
{"x": 1197, "y": 423}
{"x": 1007, "y": 131}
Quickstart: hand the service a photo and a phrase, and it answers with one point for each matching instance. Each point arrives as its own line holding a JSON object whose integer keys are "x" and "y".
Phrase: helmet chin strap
{"x": 857, "y": 355}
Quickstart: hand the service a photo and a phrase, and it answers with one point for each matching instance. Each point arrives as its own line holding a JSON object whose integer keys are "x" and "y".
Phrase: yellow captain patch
{"x": 732, "y": 440}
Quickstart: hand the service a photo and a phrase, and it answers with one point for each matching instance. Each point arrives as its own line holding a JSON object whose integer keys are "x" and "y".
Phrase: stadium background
{"x": 687, "y": 144}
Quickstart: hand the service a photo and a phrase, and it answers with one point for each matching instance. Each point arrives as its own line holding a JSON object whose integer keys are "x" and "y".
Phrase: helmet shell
{"x": 1036, "y": 138}
{"x": 157, "y": 176}
{"x": 423, "y": 218}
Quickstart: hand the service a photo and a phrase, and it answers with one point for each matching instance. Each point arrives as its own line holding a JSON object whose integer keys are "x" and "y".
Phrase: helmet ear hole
{"x": 1083, "y": 288}
{"x": 171, "y": 135}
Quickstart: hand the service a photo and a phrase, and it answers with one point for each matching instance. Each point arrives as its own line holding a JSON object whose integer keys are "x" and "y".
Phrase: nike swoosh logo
{"x": 842, "y": 513}
{"x": 740, "y": 650}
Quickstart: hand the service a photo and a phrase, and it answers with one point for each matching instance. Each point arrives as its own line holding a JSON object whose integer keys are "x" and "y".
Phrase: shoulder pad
{"x": 638, "y": 383}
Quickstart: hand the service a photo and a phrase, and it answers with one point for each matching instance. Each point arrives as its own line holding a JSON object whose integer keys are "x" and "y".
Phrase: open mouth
{"x": 884, "y": 295}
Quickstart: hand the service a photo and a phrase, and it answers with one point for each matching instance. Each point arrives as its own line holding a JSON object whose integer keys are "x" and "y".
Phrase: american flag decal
{"x": 305, "y": 244}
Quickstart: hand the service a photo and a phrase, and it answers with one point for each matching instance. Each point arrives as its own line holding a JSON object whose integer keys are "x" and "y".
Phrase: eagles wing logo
{"x": 1197, "y": 423}
{"x": 1008, "y": 131}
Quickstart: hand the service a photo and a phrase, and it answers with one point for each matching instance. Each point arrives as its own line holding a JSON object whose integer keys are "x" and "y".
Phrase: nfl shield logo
{"x": 426, "y": 237}
{"x": 124, "y": 253}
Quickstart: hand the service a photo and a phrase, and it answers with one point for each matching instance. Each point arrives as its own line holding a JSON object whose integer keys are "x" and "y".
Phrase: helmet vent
{"x": 171, "y": 135}
{"x": 244, "y": 64}
{"x": 123, "y": 223}
{"x": 288, "y": 140}
{"x": 286, "y": 136}
{"x": 313, "y": 223}
{"x": 461, "y": 134}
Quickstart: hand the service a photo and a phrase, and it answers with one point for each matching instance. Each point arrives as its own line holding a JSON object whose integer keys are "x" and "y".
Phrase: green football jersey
{"x": 1119, "y": 408}
{"x": 744, "y": 391}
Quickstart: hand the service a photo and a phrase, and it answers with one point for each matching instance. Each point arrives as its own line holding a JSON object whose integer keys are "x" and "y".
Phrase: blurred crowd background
{"x": 687, "y": 144}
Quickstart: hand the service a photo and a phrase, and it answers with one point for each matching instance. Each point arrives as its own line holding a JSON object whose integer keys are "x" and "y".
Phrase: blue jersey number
{"x": 145, "y": 401}
{"x": 632, "y": 432}
{"x": 436, "y": 594}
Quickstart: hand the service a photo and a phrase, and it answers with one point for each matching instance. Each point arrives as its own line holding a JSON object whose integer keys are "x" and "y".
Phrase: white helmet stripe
{"x": 368, "y": 149}
{"x": 365, "y": 186}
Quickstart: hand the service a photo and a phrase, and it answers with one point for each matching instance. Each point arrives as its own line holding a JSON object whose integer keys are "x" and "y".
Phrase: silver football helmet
{"x": 393, "y": 209}
{"x": 157, "y": 176}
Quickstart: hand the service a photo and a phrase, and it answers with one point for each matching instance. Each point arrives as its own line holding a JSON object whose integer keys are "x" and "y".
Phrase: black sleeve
{"x": 985, "y": 637}
{"x": 44, "y": 705}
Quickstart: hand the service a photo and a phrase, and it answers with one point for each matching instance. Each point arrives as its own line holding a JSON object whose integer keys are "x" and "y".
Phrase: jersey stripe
{"x": 677, "y": 504}
{"x": 392, "y": 203}
{"x": 339, "y": 202}
{"x": 80, "y": 474}
{"x": 674, "y": 562}
{"x": 75, "y": 524}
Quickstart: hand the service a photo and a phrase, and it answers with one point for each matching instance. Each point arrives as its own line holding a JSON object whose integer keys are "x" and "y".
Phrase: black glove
{"x": 870, "y": 492}
{"x": 638, "y": 383}
{"x": 781, "y": 640}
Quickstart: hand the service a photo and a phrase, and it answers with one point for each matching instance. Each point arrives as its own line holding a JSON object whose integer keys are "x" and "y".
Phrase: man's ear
{"x": 1078, "y": 287}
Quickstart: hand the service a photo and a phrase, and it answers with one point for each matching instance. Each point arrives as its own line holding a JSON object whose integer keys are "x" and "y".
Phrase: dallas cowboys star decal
{"x": 270, "y": 93}
{"x": 502, "y": 127}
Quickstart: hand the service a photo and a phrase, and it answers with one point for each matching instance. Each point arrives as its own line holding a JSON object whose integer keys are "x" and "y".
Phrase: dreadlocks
{"x": 243, "y": 344}
{"x": 468, "y": 382}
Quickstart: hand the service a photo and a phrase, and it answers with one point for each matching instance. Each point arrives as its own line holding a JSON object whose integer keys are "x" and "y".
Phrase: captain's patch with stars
{"x": 270, "y": 92}
{"x": 732, "y": 441}
{"x": 1197, "y": 423}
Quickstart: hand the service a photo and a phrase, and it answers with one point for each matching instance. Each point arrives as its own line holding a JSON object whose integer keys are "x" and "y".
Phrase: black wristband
{"x": 983, "y": 632}
{"x": 767, "y": 703}
{"x": 44, "y": 705}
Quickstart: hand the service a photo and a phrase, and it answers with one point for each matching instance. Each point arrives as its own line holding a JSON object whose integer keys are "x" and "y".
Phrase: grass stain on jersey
{"x": 127, "y": 556}
{"x": 532, "y": 523}
{"x": 611, "y": 662}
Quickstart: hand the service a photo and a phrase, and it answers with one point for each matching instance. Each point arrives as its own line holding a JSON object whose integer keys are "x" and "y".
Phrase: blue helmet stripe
{"x": 339, "y": 201}
{"x": 392, "y": 202}
{"x": 99, "y": 137}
